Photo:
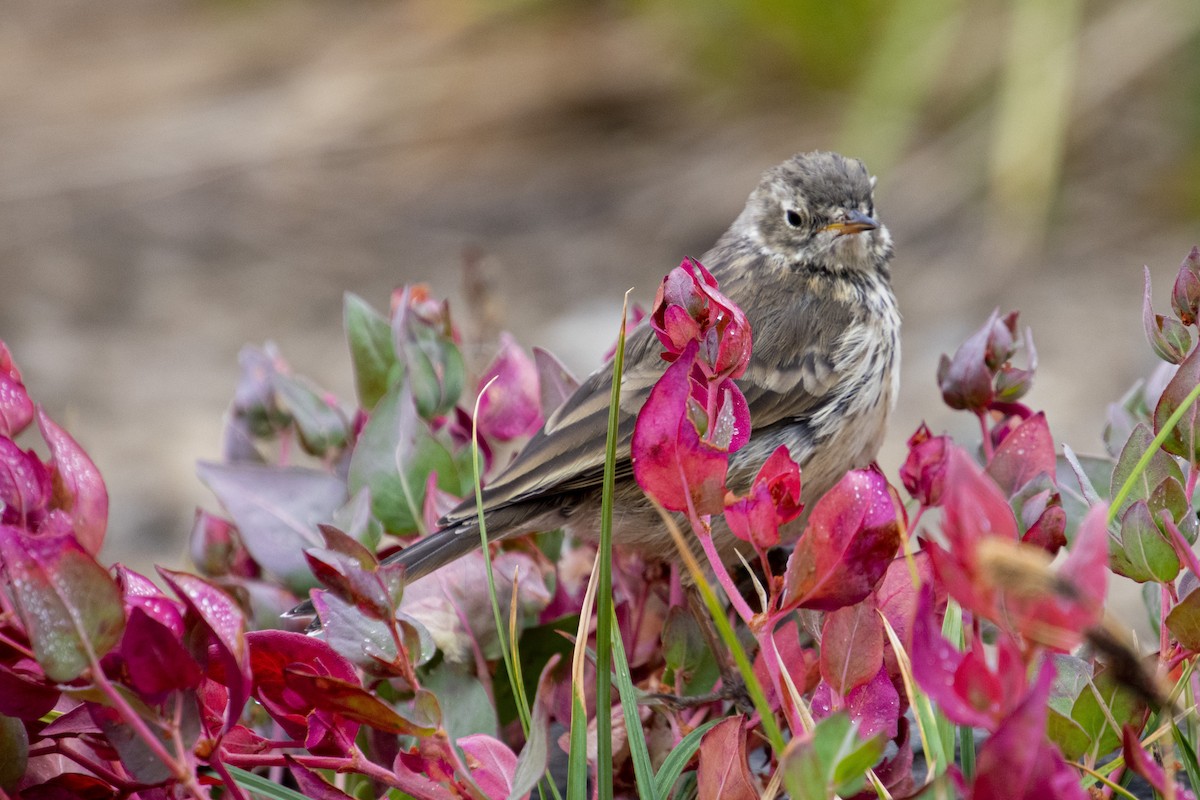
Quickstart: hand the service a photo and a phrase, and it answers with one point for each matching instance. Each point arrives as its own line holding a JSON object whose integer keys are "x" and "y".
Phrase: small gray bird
{"x": 807, "y": 261}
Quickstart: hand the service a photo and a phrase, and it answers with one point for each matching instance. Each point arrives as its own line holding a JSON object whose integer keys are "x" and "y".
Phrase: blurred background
{"x": 180, "y": 177}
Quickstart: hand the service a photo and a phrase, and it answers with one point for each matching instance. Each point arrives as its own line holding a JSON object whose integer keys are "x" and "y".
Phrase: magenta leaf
{"x": 1144, "y": 764}
{"x": 511, "y": 406}
{"x": 301, "y": 714}
{"x": 671, "y": 462}
{"x": 875, "y": 706}
{"x": 216, "y": 548}
{"x": 69, "y": 604}
{"x": 962, "y": 684}
{"x": 1023, "y": 455}
{"x": 724, "y": 773}
{"x": 851, "y": 538}
{"x": 25, "y": 692}
{"x": 155, "y": 658}
{"x": 78, "y": 488}
{"x": 851, "y": 646}
{"x": 25, "y": 486}
{"x": 16, "y": 409}
{"x": 1017, "y": 762}
{"x": 221, "y": 618}
{"x": 773, "y": 500}
{"x": 689, "y": 308}
{"x": 311, "y": 784}
{"x": 276, "y": 510}
{"x": 966, "y": 379}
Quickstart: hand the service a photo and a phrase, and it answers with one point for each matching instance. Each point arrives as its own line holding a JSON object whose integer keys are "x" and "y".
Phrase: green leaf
{"x": 471, "y": 711}
{"x": 1183, "y": 621}
{"x": 262, "y": 785}
{"x": 1104, "y": 698}
{"x": 831, "y": 760}
{"x": 1160, "y": 467}
{"x": 321, "y": 425}
{"x": 687, "y": 654}
{"x": 394, "y": 456}
{"x": 371, "y": 350}
{"x": 577, "y": 767}
{"x": 434, "y": 367}
{"x": 14, "y": 743}
{"x": 1143, "y": 553}
{"x": 69, "y": 604}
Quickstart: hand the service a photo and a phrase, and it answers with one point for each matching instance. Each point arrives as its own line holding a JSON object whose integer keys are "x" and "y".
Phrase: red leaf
{"x": 724, "y": 773}
{"x": 1023, "y": 455}
{"x": 223, "y": 620}
{"x": 671, "y": 462}
{"x": 1184, "y": 439}
{"x": 851, "y": 646}
{"x": 773, "y": 500}
{"x": 923, "y": 472}
{"x": 155, "y": 658}
{"x": 78, "y": 488}
{"x": 689, "y": 308}
{"x": 966, "y": 379}
{"x": 875, "y": 706}
{"x": 850, "y": 540}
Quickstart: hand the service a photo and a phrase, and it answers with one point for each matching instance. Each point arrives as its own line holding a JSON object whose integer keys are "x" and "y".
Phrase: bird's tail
{"x": 420, "y": 558}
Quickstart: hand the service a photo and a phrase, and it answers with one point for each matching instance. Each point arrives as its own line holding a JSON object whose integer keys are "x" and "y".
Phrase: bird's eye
{"x": 793, "y": 218}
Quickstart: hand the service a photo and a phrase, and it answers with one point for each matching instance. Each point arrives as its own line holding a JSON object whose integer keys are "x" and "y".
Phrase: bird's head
{"x": 816, "y": 209}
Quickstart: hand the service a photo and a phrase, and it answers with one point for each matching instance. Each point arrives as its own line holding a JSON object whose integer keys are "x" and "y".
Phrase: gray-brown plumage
{"x": 807, "y": 261}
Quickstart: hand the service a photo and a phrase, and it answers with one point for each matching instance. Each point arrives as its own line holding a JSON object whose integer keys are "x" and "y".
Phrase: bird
{"x": 807, "y": 260}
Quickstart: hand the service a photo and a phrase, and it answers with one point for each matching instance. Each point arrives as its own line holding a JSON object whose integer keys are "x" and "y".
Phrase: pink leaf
{"x": 311, "y": 784}
{"x": 1023, "y": 455}
{"x": 78, "y": 488}
{"x": 966, "y": 379}
{"x": 491, "y": 763}
{"x": 555, "y": 381}
{"x": 16, "y": 409}
{"x": 670, "y": 461}
{"x": 850, "y": 540}
{"x": 688, "y": 308}
{"x": 511, "y": 406}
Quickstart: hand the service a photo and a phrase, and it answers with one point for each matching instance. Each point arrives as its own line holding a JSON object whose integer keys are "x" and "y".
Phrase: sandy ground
{"x": 177, "y": 179}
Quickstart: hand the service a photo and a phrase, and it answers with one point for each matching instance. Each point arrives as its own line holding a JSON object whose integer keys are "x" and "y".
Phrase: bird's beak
{"x": 855, "y": 222}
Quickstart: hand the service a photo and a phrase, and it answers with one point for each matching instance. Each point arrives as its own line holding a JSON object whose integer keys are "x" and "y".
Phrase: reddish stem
{"x": 987, "y": 436}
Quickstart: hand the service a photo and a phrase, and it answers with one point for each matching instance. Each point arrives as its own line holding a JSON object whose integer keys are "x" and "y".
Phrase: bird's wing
{"x": 790, "y": 375}
{"x": 567, "y": 454}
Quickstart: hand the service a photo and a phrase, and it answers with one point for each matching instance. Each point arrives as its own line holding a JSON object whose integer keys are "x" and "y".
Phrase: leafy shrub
{"x": 939, "y": 625}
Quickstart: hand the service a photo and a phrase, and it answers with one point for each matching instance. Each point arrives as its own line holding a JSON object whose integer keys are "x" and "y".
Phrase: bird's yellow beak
{"x": 855, "y": 222}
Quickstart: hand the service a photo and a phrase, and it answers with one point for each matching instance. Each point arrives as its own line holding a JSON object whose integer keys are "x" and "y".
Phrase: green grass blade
{"x": 604, "y": 603}
{"x": 678, "y": 758}
{"x": 518, "y": 690}
{"x": 638, "y": 752}
{"x": 577, "y": 755}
